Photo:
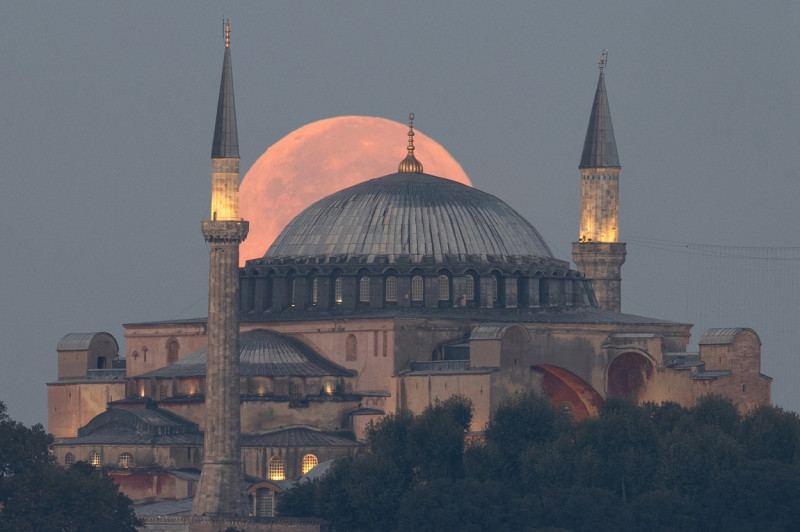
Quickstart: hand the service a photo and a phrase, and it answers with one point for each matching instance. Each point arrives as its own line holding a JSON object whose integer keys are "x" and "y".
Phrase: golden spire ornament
{"x": 410, "y": 165}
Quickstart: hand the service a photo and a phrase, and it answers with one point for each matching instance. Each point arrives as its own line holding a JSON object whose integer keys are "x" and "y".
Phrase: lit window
{"x": 363, "y": 289}
{"x": 417, "y": 288}
{"x": 125, "y": 460}
{"x": 391, "y": 288}
{"x": 469, "y": 288}
{"x": 337, "y": 290}
{"x": 309, "y": 462}
{"x": 314, "y": 290}
{"x": 69, "y": 459}
{"x": 444, "y": 288}
{"x": 95, "y": 459}
{"x": 276, "y": 470}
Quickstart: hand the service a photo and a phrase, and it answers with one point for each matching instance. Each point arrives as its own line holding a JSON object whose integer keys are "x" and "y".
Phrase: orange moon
{"x": 321, "y": 158}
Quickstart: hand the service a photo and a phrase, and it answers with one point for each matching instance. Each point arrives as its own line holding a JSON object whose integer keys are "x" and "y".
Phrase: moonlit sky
{"x": 108, "y": 111}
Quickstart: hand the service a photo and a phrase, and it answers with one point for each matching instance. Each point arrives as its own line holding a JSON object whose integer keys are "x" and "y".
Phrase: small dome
{"x": 413, "y": 215}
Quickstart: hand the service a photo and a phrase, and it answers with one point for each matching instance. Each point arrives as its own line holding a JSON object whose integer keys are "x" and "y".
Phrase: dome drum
{"x": 353, "y": 288}
{"x": 409, "y": 241}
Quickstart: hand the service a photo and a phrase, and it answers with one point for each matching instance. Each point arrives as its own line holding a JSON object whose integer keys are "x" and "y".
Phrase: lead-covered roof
{"x": 413, "y": 215}
{"x": 600, "y": 147}
{"x": 262, "y": 353}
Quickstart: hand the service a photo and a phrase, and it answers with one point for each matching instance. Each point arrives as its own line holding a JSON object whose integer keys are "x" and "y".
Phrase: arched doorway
{"x": 628, "y": 375}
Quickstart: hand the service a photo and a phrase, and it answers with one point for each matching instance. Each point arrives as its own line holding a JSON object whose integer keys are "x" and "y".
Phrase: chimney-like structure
{"x": 221, "y": 487}
{"x": 597, "y": 252}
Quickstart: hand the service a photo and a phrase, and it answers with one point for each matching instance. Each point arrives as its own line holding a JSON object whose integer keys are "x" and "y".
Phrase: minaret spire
{"x": 598, "y": 253}
{"x": 600, "y": 147}
{"x": 226, "y": 140}
{"x": 220, "y": 489}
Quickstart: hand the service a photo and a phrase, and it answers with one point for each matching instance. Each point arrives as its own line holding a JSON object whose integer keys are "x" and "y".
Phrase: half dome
{"x": 410, "y": 215}
{"x": 262, "y": 353}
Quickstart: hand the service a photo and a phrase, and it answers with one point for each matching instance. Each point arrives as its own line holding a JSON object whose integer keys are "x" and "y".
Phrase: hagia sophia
{"x": 385, "y": 296}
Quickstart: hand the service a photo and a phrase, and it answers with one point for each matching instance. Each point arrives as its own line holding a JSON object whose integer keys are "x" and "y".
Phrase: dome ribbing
{"x": 413, "y": 215}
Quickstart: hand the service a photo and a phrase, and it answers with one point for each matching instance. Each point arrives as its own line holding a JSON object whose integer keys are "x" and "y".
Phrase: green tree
{"x": 464, "y": 505}
{"x": 38, "y": 495}
{"x": 771, "y": 433}
{"x": 518, "y": 423}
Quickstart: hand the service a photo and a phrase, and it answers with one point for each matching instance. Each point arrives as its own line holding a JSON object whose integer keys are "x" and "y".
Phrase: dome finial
{"x": 227, "y": 33}
{"x": 410, "y": 165}
{"x": 603, "y": 59}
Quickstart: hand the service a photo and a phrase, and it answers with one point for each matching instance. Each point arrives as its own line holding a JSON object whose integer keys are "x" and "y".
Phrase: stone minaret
{"x": 220, "y": 490}
{"x": 597, "y": 252}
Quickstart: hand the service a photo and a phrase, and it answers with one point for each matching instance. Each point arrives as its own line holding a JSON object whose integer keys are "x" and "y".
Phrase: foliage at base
{"x": 635, "y": 467}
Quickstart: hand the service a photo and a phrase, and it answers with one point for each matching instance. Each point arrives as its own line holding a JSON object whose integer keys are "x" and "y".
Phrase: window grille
{"x": 363, "y": 289}
{"x": 125, "y": 460}
{"x": 265, "y": 502}
{"x": 444, "y": 288}
{"x": 309, "y": 462}
{"x": 95, "y": 459}
{"x": 391, "y": 288}
{"x": 337, "y": 290}
{"x": 469, "y": 289}
{"x": 69, "y": 459}
{"x": 276, "y": 469}
{"x": 417, "y": 290}
{"x": 314, "y": 290}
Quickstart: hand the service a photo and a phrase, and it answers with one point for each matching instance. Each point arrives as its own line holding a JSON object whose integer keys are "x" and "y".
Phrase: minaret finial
{"x": 603, "y": 59}
{"x": 227, "y": 33}
{"x": 410, "y": 165}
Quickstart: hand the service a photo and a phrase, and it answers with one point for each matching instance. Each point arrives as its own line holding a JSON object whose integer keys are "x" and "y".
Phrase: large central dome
{"x": 410, "y": 215}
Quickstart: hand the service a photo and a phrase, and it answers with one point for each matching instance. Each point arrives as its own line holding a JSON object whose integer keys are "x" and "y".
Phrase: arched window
{"x": 337, "y": 290}
{"x": 522, "y": 291}
{"x": 125, "y": 460}
{"x": 444, "y": 288}
{"x": 417, "y": 288}
{"x": 309, "y": 462}
{"x": 351, "y": 347}
{"x": 276, "y": 469}
{"x": 172, "y": 350}
{"x": 294, "y": 292}
{"x": 469, "y": 287}
{"x": 315, "y": 290}
{"x": 391, "y": 288}
{"x": 69, "y": 459}
{"x": 95, "y": 459}
{"x": 363, "y": 289}
{"x": 498, "y": 290}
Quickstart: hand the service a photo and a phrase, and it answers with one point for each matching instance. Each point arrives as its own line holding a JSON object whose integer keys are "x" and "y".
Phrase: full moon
{"x": 321, "y": 158}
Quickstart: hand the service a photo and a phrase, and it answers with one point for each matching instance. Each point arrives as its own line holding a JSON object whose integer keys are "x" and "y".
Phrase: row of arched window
{"x": 258, "y": 292}
{"x": 124, "y": 460}
{"x": 276, "y": 468}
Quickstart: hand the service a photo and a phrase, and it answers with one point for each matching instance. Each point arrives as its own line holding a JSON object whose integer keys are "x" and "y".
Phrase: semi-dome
{"x": 261, "y": 353}
{"x": 412, "y": 215}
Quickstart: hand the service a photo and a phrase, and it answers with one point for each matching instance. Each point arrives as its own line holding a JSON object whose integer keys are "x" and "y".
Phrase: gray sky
{"x": 107, "y": 119}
